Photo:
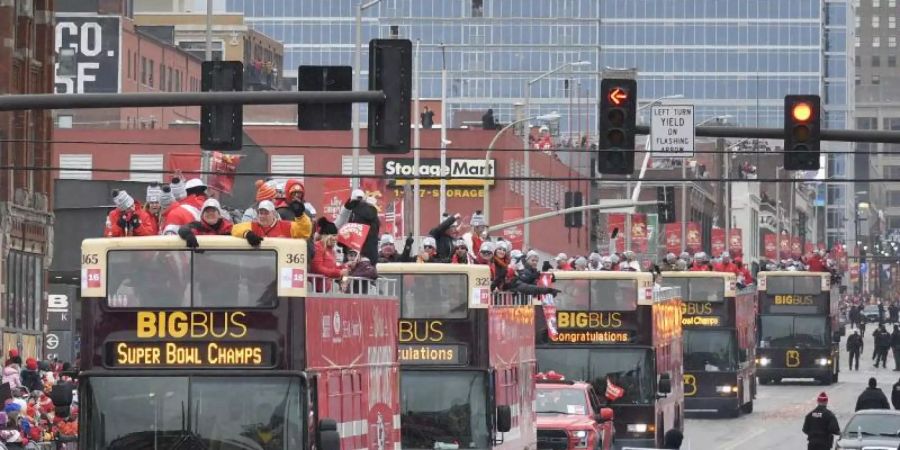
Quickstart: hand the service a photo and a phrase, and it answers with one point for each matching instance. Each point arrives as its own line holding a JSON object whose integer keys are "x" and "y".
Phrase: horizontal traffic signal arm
{"x": 874, "y": 136}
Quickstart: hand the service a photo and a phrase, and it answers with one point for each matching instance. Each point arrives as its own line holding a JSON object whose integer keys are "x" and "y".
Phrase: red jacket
{"x": 183, "y": 213}
{"x": 146, "y": 227}
{"x": 745, "y": 274}
{"x": 726, "y": 267}
{"x": 201, "y": 228}
{"x": 325, "y": 262}
{"x": 699, "y": 268}
{"x": 816, "y": 264}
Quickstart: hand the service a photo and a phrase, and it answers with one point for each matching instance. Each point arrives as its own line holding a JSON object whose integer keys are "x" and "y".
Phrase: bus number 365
{"x": 296, "y": 258}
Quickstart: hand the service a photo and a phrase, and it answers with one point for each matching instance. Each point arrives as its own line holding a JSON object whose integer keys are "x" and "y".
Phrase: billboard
{"x": 96, "y": 41}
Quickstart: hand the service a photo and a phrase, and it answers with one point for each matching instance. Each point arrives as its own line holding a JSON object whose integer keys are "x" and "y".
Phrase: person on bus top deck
{"x": 460, "y": 253}
{"x": 502, "y": 273}
{"x": 211, "y": 223}
{"x": 429, "y": 251}
{"x": 817, "y": 262}
{"x": 187, "y": 209}
{"x": 594, "y": 261}
{"x": 668, "y": 263}
{"x": 477, "y": 235}
{"x": 527, "y": 278}
{"x": 152, "y": 204}
{"x": 128, "y": 218}
{"x": 701, "y": 263}
{"x": 485, "y": 253}
{"x": 324, "y": 260}
{"x": 581, "y": 264}
{"x": 269, "y": 224}
{"x": 744, "y": 276}
{"x": 361, "y": 209}
{"x": 387, "y": 250}
{"x": 516, "y": 256}
{"x": 444, "y": 235}
{"x": 725, "y": 265}
{"x": 820, "y": 425}
{"x": 295, "y": 204}
{"x": 562, "y": 262}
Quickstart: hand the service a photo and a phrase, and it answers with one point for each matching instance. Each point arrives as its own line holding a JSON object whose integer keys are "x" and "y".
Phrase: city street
{"x": 779, "y": 409}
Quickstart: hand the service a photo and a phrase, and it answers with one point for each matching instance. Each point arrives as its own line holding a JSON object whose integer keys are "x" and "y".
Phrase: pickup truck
{"x": 569, "y": 416}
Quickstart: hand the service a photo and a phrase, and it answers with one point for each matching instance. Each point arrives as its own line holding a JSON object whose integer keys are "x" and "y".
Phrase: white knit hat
{"x": 478, "y": 220}
{"x": 154, "y": 192}
{"x": 178, "y": 189}
{"x": 122, "y": 200}
{"x": 267, "y": 205}
{"x": 386, "y": 239}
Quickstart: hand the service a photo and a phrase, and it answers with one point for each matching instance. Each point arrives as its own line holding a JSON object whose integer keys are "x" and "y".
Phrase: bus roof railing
{"x": 350, "y": 287}
{"x": 511, "y": 299}
{"x": 664, "y": 293}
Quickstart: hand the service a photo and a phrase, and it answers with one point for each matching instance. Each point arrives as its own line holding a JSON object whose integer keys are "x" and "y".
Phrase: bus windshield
{"x": 433, "y": 296}
{"x": 195, "y": 412}
{"x": 596, "y": 295}
{"x": 798, "y": 285}
{"x": 629, "y": 368}
{"x": 710, "y": 350}
{"x": 454, "y": 413}
{"x": 182, "y": 278}
{"x": 700, "y": 289}
{"x": 802, "y": 331}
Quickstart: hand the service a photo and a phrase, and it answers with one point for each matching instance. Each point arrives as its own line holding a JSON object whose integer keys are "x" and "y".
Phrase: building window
{"x": 892, "y": 172}
{"x": 146, "y": 168}
{"x": 858, "y": 40}
{"x": 893, "y": 198}
{"x": 177, "y": 80}
{"x": 144, "y": 67}
{"x": 24, "y": 290}
{"x": 892, "y": 61}
{"x": 892, "y": 41}
{"x": 858, "y": 80}
{"x": 892, "y": 3}
{"x": 129, "y": 64}
{"x": 876, "y": 79}
{"x": 876, "y": 3}
{"x": 858, "y": 61}
{"x": 75, "y": 161}
{"x": 892, "y": 22}
{"x": 162, "y": 77}
{"x": 150, "y": 74}
{"x": 876, "y": 21}
{"x": 876, "y": 41}
{"x": 169, "y": 80}
{"x": 857, "y": 20}
{"x": 876, "y": 61}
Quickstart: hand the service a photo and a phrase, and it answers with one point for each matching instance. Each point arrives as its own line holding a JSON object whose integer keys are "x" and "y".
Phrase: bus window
{"x": 710, "y": 350}
{"x": 434, "y": 296}
{"x": 798, "y": 285}
{"x": 629, "y": 368}
{"x": 225, "y": 278}
{"x": 148, "y": 278}
{"x": 784, "y": 331}
{"x": 573, "y": 295}
{"x": 163, "y": 279}
{"x": 699, "y": 289}
{"x": 614, "y": 295}
{"x": 455, "y": 413}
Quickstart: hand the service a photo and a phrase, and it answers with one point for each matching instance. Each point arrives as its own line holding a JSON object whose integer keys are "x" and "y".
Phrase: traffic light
{"x": 802, "y": 125}
{"x": 572, "y": 200}
{"x": 390, "y": 71}
{"x": 665, "y": 206}
{"x": 324, "y": 116}
{"x": 618, "y": 107}
{"x": 221, "y": 125}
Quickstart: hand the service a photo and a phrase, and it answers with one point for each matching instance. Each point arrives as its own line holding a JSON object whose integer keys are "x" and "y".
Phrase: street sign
{"x": 672, "y": 131}
{"x": 52, "y": 341}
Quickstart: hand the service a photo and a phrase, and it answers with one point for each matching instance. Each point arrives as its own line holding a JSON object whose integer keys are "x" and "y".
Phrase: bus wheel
{"x": 747, "y": 408}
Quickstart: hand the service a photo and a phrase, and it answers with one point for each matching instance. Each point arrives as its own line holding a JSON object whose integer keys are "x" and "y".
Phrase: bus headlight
{"x": 582, "y": 438}
{"x": 726, "y": 389}
{"x": 823, "y": 361}
{"x": 640, "y": 428}
{"x": 764, "y": 361}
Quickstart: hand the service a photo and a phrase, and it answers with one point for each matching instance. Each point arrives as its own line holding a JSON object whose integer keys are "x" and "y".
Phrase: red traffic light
{"x": 801, "y": 111}
{"x": 617, "y": 96}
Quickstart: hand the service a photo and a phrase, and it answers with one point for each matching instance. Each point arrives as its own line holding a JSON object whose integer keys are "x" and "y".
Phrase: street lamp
{"x": 487, "y": 156}
{"x": 526, "y": 194}
{"x": 357, "y": 69}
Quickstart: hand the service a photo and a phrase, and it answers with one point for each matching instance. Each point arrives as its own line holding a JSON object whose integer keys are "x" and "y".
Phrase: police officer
{"x": 895, "y": 395}
{"x": 854, "y": 348}
{"x": 820, "y": 426}
{"x": 872, "y": 397}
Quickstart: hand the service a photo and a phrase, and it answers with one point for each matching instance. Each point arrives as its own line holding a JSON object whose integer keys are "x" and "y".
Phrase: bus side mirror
{"x": 328, "y": 436}
{"x": 742, "y": 354}
{"x": 504, "y": 418}
{"x": 606, "y": 415}
{"x": 665, "y": 384}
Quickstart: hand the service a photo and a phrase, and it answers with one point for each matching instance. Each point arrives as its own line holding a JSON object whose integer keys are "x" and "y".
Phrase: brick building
{"x": 26, "y": 224}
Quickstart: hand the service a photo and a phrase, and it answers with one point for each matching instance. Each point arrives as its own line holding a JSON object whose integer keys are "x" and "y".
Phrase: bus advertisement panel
{"x": 799, "y": 335}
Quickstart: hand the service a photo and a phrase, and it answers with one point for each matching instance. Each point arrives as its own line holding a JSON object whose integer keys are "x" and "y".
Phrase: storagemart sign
{"x": 458, "y": 171}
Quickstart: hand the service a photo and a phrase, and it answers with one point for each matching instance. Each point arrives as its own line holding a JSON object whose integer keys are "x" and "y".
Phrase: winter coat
{"x": 298, "y": 229}
{"x": 883, "y": 339}
{"x": 325, "y": 261}
{"x": 854, "y": 343}
{"x": 872, "y": 398}
{"x": 473, "y": 243}
{"x": 31, "y": 380}
{"x": 364, "y": 269}
{"x": 365, "y": 214}
{"x": 182, "y": 213}
{"x": 398, "y": 257}
{"x": 895, "y": 395}
{"x": 895, "y": 340}
{"x": 502, "y": 274}
{"x": 816, "y": 264}
{"x": 11, "y": 376}
{"x": 201, "y": 228}
{"x": 526, "y": 282}
{"x": 146, "y": 227}
{"x": 443, "y": 241}
{"x": 820, "y": 426}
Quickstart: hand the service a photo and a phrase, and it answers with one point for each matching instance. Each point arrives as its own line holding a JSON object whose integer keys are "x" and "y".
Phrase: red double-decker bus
{"x": 719, "y": 324}
{"x": 228, "y": 347}
{"x": 614, "y": 330}
{"x": 467, "y": 360}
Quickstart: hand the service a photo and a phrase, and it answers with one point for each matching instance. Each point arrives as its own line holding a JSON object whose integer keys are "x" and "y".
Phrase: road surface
{"x": 779, "y": 409}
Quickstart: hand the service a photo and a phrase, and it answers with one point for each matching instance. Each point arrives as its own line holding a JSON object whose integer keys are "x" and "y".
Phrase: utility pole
{"x": 443, "y": 201}
{"x": 205, "y": 154}
{"x": 417, "y": 144}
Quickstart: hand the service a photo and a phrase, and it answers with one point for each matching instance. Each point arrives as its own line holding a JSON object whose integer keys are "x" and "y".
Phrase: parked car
{"x": 871, "y": 429}
{"x": 870, "y": 313}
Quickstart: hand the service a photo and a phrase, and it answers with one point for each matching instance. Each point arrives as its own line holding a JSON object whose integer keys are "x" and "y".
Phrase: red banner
{"x": 736, "y": 243}
{"x": 694, "y": 237}
{"x": 854, "y": 272}
{"x": 353, "y": 235}
{"x": 784, "y": 246}
{"x": 673, "y": 238}
{"x": 185, "y": 162}
{"x": 717, "y": 241}
{"x": 224, "y": 166}
{"x": 336, "y": 192}
{"x": 639, "y": 234}
{"x": 771, "y": 246}
{"x": 616, "y": 221}
{"x": 796, "y": 248}
{"x": 513, "y": 234}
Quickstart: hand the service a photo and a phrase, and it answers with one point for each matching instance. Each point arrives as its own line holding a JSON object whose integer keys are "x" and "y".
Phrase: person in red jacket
{"x": 701, "y": 263}
{"x": 816, "y": 263}
{"x": 128, "y": 218}
{"x": 726, "y": 265}
{"x": 211, "y": 223}
{"x": 269, "y": 224}
{"x": 324, "y": 261}
{"x": 743, "y": 274}
{"x": 188, "y": 209}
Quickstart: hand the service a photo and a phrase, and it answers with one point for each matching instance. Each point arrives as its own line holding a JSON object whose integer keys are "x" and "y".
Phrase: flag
{"x": 224, "y": 167}
{"x": 736, "y": 242}
{"x": 717, "y": 240}
{"x": 771, "y": 246}
{"x": 673, "y": 238}
{"x": 694, "y": 237}
{"x": 784, "y": 246}
{"x": 617, "y": 221}
{"x": 549, "y": 307}
{"x": 353, "y": 235}
{"x": 639, "y": 233}
{"x": 613, "y": 392}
